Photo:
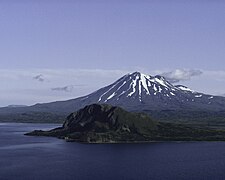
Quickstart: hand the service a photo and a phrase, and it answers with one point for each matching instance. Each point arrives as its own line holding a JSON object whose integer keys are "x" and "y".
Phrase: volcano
{"x": 135, "y": 92}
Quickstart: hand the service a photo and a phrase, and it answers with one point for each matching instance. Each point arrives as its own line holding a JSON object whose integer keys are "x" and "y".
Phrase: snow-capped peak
{"x": 137, "y": 86}
{"x": 138, "y": 90}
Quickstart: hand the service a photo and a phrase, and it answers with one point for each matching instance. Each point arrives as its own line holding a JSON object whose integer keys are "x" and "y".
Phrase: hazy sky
{"x": 53, "y": 49}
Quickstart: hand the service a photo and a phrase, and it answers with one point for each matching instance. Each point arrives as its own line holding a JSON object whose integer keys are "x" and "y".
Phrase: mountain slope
{"x": 138, "y": 92}
{"x": 153, "y": 92}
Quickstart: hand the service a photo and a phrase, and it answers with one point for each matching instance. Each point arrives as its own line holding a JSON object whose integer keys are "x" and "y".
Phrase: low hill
{"x": 105, "y": 123}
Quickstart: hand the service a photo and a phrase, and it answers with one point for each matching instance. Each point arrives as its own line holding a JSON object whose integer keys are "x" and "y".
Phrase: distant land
{"x": 110, "y": 124}
{"x": 15, "y": 106}
{"x": 134, "y": 92}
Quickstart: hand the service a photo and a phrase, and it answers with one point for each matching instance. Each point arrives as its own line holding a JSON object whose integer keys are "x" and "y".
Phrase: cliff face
{"x": 104, "y": 118}
{"x": 105, "y": 123}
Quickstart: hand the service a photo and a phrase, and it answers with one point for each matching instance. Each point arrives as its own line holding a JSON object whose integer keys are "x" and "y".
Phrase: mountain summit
{"x": 136, "y": 86}
{"x": 142, "y": 88}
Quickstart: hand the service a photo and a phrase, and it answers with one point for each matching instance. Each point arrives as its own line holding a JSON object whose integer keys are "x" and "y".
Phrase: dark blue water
{"x": 23, "y": 157}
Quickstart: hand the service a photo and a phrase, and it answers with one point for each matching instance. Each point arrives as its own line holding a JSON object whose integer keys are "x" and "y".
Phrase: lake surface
{"x": 33, "y": 158}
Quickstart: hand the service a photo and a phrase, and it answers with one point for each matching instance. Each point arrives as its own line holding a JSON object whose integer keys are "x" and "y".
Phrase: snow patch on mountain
{"x": 184, "y": 88}
{"x": 198, "y": 96}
